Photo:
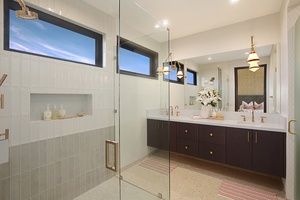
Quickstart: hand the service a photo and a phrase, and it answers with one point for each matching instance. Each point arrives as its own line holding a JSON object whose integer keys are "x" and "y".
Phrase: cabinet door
{"x": 173, "y": 139}
{"x": 268, "y": 152}
{"x": 187, "y": 147}
{"x": 187, "y": 131}
{"x": 239, "y": 147}
{"x": 164, "y": 133}
{"x": 212, "y": 134}
{"x": 154, "y": 138}
{"x": 213, "y": 152}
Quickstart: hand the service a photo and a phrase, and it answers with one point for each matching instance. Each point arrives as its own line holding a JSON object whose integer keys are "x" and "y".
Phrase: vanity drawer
{"x": 212, "y": 134}
{"x": 187, "y": 131}
{"x": 187, "y": 147}
{"x": 213, "y": 152}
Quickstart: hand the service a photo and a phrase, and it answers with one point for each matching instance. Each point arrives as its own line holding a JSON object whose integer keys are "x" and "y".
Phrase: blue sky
{"x": 39, "y": 37}
{"x": 133, "y": 62}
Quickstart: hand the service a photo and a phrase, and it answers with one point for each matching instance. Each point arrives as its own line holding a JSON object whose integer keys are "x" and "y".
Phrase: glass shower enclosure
{"x": 103, "y": 153}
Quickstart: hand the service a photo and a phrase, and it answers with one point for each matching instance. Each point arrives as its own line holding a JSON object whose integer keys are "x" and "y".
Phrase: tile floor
{"x": 192, "y": 179}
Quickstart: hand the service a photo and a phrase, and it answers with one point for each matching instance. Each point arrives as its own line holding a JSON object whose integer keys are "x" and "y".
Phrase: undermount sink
{"x": 255, "y": 124}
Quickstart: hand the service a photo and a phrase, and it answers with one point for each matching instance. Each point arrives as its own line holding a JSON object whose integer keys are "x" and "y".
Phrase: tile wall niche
{"x": 60, "y": 168}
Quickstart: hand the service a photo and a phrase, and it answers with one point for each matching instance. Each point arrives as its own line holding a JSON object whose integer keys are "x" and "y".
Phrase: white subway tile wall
{"x": 58, "y": 159}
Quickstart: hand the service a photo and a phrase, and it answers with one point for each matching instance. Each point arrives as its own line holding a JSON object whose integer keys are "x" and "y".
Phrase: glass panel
{"x": 297, "y": 111}
{"x": 143, "y": 165}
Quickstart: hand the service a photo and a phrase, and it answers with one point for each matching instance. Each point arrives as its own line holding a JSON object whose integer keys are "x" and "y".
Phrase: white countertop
{"x": 274, "y": 126}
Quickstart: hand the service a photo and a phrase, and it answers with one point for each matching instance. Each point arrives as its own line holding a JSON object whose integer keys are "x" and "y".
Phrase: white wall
{"x": 228, "y": 38}
{"x": 33, "y": 74}
{"x": 137, "y": 95}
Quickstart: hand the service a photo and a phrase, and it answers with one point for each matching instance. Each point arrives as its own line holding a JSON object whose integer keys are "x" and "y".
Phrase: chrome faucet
{"x": 253, "y": 115}
{"x": 171, "y": 110}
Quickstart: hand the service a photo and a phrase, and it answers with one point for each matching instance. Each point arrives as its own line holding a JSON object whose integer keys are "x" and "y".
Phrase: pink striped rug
{"x": 237, "y": 191}
{"x": 157, "y": 165}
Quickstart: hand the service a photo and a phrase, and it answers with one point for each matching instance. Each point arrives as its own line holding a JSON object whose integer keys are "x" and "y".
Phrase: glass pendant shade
{"x": 253, "y": 57}
{"x": 159, "y": 70}
{"x": 179, "y": 74}
{"x": 166, "y": 69}
{"x": 253, "y": 66}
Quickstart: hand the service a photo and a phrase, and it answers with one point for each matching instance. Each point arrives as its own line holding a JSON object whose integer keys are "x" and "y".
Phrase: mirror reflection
{"x": 222, "y": 66}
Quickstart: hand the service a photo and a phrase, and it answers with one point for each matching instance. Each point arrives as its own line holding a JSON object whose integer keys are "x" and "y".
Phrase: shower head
{"x": 25, "y": 13}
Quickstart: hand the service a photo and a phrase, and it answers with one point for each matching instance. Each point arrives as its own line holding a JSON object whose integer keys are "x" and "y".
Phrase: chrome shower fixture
{"x": 25, "y": 13}
{"x": 3, "y": 79}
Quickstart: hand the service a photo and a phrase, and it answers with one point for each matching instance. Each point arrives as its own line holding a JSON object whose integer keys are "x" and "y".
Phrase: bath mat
{"x": 237, "y": 191}
{"x": 157, "y": 165}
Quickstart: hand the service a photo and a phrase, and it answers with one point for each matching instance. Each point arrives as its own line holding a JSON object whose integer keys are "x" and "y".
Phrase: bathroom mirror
{"x": 221, "y": 66}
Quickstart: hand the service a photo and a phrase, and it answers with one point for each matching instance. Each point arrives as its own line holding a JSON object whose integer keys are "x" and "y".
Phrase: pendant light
{"x": 179, "y": 73}
{"x": 165, "y": 69}
{"x": 253, "y": 58}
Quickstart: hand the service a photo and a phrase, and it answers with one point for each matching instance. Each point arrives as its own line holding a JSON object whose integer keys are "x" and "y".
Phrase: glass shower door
{"x": 144, "y": 169}
{"x": 297, "y": 111}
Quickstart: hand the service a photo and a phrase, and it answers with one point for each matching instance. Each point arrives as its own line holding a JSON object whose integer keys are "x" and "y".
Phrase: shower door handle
{"x": 113, "y": 167}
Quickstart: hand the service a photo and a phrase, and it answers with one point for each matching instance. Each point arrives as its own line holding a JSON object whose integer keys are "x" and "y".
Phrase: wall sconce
{"x": 253, "y": 58}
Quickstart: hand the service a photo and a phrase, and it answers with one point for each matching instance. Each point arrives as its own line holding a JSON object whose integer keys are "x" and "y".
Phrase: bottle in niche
{"x": 61, "y": 112}
{"x": 47, "y": 113}
{"x": 54, "y": 113}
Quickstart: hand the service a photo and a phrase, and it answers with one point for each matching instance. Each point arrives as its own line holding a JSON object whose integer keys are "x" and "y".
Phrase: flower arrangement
{"x": 208, "y": 96}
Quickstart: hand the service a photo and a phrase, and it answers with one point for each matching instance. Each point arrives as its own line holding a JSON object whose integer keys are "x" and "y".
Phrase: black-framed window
{"x": 172, "y": 76}
{"x": 191, "y": 77}
{"x": 137, "y": 60}
{"x": 51, "y": 37}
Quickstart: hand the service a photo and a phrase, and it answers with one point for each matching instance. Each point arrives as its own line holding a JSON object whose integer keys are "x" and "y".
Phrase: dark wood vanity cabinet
{"x": 261, "y": 151}
{"x": 239, "y": 147}
{"x": 158, "y": 134}
{"x": 212, "y": 143}
{"x": 187, "y": 139}
{"x": 269, "y": 152}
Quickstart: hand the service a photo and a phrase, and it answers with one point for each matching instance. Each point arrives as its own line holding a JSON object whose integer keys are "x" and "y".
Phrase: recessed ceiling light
{"x": 209, "y": 58}
{"x": 234, "y": 1}
{"x": 165, "y": 23}
{"x": 156, "y": 26}
{"x": 247, "y": 53}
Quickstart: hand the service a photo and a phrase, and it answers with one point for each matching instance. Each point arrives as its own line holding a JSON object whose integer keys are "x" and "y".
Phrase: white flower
{"x": 208, "y": 96}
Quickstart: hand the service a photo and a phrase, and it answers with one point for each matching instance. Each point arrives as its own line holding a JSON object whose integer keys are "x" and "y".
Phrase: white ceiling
{"x": 186, "y": 17}
{"x": 191, "y": 16}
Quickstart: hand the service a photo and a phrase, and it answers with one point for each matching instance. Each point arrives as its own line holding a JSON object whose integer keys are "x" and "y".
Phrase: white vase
{"x": 204, "y": 111}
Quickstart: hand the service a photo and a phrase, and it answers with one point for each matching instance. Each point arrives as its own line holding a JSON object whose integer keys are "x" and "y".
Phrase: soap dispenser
{"x": 54, "y": 113}
{"x": 61, "y": 112}
{"x": 47, "y": 113}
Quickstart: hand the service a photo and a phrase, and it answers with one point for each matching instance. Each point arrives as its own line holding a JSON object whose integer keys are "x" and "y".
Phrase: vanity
{"x": 259, "y": 147}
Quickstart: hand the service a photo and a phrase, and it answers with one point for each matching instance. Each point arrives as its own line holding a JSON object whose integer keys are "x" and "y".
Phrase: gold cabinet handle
{"x": 211, "y": 135}
{"x": 248, "y": 136}
{"x": 107, "y": 161}
{"x": 289, "y": 126}
{"x": 186, "y": 131}
{"x": 256, "y": 137}
{"x": 211, "y": 152}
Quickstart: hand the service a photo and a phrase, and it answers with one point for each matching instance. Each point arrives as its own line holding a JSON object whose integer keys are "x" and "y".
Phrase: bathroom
{"x": 64, "y": 159}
